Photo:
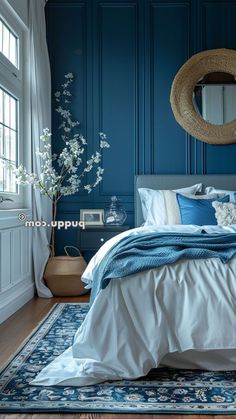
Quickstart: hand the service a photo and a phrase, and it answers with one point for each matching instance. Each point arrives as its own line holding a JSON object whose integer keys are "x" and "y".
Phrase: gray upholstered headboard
{"x": 178, "y": 181}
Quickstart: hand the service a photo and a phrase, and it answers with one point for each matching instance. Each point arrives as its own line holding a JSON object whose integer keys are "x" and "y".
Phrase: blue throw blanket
{"x": 151, "y": 250}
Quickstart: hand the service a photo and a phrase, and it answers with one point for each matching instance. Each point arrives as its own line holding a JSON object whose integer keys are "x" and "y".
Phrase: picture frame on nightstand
{"x": 92, "y": 216}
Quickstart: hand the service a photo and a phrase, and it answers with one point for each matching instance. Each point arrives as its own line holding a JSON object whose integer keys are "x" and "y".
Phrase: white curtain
{"x": 40, "y": 109}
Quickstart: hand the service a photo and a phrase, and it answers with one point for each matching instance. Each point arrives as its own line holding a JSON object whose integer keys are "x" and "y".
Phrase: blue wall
{"x": 125, "y": 55}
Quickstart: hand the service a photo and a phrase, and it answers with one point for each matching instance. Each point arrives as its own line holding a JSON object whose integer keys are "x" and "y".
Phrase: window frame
{"x": 7, "y": 92}
{"x": 3, "y": 58}
{"x": 12, "y": 81}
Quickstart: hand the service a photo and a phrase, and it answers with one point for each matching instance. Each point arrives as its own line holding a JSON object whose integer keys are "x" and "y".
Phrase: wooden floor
{"x": 16, "y": 329}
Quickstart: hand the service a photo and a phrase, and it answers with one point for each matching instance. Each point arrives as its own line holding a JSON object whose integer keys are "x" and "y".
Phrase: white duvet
{"x": 160, "y": 316}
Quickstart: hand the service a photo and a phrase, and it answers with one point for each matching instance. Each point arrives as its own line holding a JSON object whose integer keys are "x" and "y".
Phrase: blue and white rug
{"x": 162, "y": 391}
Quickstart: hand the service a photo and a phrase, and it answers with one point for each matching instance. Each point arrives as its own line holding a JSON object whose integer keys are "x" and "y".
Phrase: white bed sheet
{"x": 177, "y": 228}
{"x": 216, "y": 360}
{"x": 168, "y": 315}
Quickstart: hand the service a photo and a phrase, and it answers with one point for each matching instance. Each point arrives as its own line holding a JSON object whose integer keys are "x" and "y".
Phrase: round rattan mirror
{"x": 182, "y": 94}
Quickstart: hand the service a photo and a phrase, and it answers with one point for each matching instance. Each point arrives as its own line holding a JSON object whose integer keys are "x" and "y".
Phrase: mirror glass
{"x": 214, "y": 97}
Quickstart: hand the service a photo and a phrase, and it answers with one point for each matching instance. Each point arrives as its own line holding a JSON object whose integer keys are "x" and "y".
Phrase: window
{"x": 8, "y": 139}
{"x": 11, "y": 102}
{"x": 8, "y": 43}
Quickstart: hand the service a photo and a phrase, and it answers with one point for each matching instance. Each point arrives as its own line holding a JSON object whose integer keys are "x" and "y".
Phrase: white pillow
{"x": 225, "y": 212}
{"x": 154, "y": 205}
{"x": 212, "y": 189}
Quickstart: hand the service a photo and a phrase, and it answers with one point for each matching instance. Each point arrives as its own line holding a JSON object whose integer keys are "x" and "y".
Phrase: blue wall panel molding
{"x": 218, "y": 28}
{"x": 170, "y": 49}
{"x": 117, "y": 102}
{"x": 124, "y": 55}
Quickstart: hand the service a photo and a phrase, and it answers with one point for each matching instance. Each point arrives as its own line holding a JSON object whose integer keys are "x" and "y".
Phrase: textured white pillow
{"x": 154, "y": 205}
{"x": 212, "y": 189}
{"x": 225, "y": 212}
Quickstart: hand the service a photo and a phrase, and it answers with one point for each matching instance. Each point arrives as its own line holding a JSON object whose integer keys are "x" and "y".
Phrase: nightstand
{"x": 93, "y": 237}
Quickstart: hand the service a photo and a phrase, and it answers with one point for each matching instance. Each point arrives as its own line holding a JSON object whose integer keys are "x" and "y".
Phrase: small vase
{"x": 115, "y": 214}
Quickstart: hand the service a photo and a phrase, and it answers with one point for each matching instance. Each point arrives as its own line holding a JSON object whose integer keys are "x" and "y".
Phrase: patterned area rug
{"x": 162, "y": 391}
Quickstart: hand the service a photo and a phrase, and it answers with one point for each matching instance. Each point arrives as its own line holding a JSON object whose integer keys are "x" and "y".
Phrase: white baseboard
{"x": 15, "y": 299}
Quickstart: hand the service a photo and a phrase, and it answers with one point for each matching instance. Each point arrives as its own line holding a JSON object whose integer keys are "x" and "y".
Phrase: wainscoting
{"x": 16, "y": 285}
{"x": 124, "y": 56}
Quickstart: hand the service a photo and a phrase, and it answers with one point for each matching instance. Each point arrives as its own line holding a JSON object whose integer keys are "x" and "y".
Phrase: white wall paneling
{"x": 16, "y": 284}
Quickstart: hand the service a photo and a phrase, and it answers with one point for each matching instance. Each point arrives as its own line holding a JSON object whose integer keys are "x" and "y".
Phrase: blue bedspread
{"x": 151, "y": 250}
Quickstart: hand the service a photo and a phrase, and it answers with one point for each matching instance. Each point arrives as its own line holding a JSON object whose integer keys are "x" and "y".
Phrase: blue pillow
{"x": 198, "y": 211}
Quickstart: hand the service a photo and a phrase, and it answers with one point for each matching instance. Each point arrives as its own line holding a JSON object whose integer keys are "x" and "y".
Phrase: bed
{"x": 180, "y": 314}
